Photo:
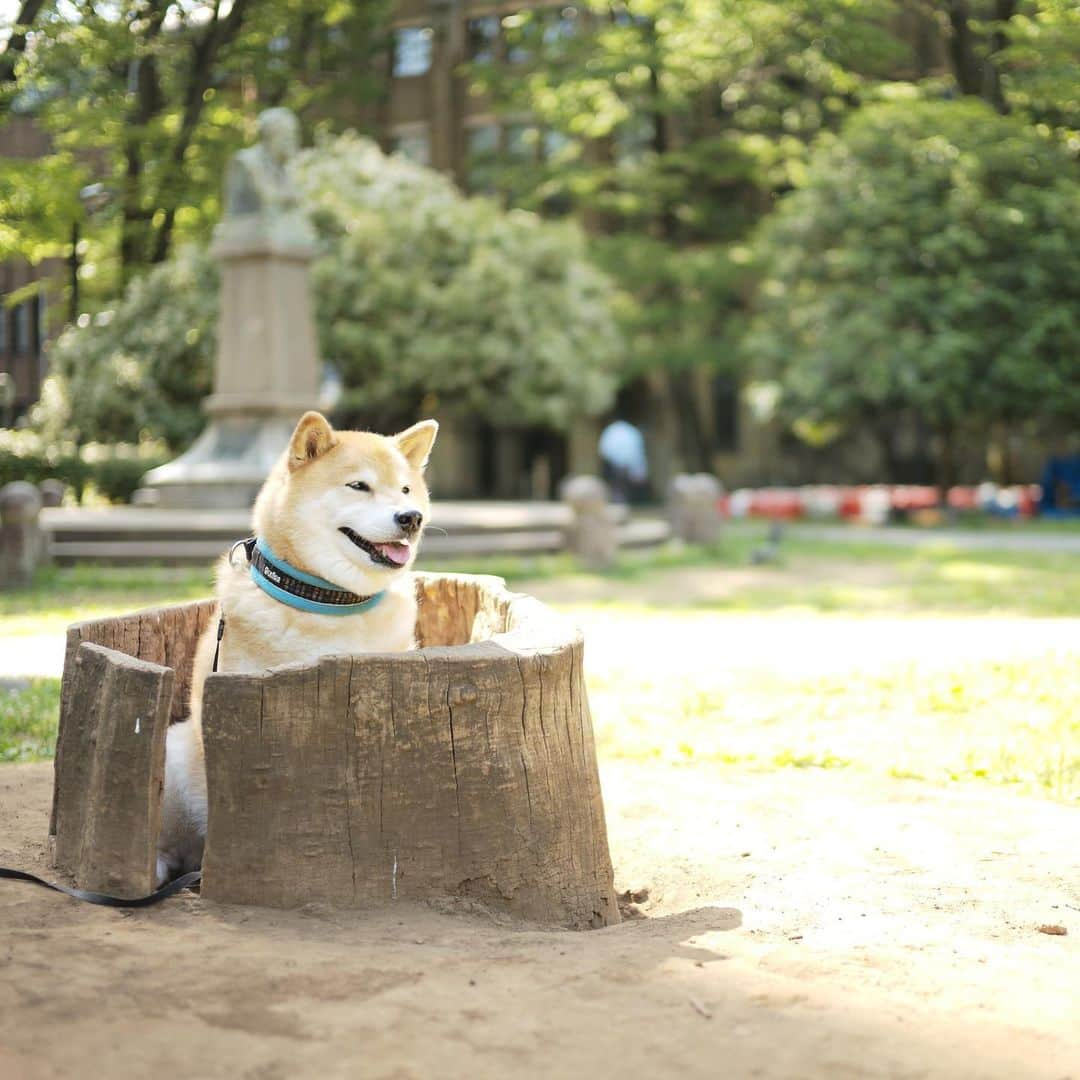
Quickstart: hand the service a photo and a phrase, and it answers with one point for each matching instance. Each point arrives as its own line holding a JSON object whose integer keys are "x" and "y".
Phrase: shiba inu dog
{"x": 337, "y": 525}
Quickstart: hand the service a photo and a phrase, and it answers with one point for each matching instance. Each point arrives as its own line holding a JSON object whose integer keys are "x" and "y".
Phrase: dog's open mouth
{"x": 392, "y": 553}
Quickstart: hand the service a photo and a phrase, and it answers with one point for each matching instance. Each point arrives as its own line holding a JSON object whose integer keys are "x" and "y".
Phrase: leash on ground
{"x": 171, "y": 888}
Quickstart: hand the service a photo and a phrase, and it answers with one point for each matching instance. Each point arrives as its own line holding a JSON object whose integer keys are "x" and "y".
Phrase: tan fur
{"x": 298, "y": 513}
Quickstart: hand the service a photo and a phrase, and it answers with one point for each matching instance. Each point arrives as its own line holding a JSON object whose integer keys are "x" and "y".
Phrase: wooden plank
{"x": 109, "y": 781}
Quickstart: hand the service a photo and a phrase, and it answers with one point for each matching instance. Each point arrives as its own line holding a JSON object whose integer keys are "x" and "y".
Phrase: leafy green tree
{"x": 1040, "y": 60}
{"x": 929, "y": 267}
{"x": 1018, "y": 55}
{"x": 140, "y": 369}
{"x": 669, "y": 126}
{"x": 151, "y": 96}
{"x": 421, "y": 294}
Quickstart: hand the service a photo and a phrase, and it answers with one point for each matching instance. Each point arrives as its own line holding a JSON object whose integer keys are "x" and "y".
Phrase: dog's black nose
{"x": 409, "y": 520}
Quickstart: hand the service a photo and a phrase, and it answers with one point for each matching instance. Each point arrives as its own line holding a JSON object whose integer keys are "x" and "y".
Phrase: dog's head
{"x": 348, "y": 506}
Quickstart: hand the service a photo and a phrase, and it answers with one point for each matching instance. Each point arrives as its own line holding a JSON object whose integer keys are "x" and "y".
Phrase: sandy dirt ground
{"x": 797, "y": 924}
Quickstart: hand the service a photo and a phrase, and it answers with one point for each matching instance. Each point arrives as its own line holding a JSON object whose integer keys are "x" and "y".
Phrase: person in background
{"x": 622, "y": 453}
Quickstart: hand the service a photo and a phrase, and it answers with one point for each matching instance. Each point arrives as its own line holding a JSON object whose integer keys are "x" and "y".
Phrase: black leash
{"x": 167, "y": 890}
{"x": 220, "y": 635}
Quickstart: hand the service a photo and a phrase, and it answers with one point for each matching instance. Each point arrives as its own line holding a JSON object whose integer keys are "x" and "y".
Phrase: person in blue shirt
{"x": 622, "y": 452}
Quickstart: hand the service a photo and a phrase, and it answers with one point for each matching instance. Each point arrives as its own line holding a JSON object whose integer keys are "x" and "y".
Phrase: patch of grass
{"x": 629, "y": 565}
{"x": 1004, "y": 723}
{"x": 63, "y": 595}
{"x": 986, "y": 523}
{"x": 28, "y": 718}
{"x": 813, "y": 575}
{"x": 1011, "y": 723}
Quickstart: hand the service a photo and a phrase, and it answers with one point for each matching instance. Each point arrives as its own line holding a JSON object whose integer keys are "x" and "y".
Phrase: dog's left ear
{"x": 416, "y": 442}
{"x": 311, "y": 439}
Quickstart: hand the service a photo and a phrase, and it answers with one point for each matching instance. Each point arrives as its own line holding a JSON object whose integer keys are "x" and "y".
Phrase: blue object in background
{"x": 1061, "y": 487}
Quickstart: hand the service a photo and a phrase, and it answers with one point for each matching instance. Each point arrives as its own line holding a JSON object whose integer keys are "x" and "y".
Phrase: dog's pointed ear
{"x": 311, "y": 439}
{"x": 416, "y": 442}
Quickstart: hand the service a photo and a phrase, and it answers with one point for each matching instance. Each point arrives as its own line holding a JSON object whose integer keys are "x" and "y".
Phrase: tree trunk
{"x": 977, "y": 75}
{"x": 694, "y": 436}
{"x": 217, "y": 35}
{"x": 946, "y": 463}
{"x": 466, "y": 771}
{"x": 18, "y": 39}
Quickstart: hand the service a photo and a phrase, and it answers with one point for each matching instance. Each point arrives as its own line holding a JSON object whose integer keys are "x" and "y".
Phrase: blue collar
{"x": 305, "y": 592}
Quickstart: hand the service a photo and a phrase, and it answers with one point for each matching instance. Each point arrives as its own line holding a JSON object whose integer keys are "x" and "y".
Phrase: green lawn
{"x": 28, "y": 720}
{"x": 1009, "y": 721}
{"x": 63, "y": 595}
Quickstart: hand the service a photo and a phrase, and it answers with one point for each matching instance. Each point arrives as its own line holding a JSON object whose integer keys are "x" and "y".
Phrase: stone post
{"x": 22, "y": 543}
{"x": 694, "y": 507}
{"x": 592, "y": 534}
{"x": 52, "y": 492}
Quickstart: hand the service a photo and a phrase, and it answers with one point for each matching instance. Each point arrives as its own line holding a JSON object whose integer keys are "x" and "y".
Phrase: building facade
{"x": 24, "y": 297}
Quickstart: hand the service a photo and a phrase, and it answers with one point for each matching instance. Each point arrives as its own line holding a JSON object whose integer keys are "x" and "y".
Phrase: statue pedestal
{"x": 267, "y": 373}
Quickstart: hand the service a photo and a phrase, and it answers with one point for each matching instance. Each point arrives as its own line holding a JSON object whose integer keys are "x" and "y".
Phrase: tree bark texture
{"x": 163, "y": 636}
{"x": 107, "y": 808}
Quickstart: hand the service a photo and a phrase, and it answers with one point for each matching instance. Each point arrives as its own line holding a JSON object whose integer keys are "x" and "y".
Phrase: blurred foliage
{"x": 138, "y": 370}
{"x": 669, "y": 129}
{"x": 28, "y": 719}
{"x": 1041, "y": 65}
{"x": 673, "y": 127}
{"x": 421, "y": 295}
{"x": 150, "y": 98}
{"x": 930, "y": 264}
{"x": 669, "y": 126}
{"x": 112, "y": 470}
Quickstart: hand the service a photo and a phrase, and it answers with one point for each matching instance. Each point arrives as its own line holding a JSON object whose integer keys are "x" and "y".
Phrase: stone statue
{"x": 258, "y": 179}
{"x": 268, "y": 369}
{"x": 260, "y": 196}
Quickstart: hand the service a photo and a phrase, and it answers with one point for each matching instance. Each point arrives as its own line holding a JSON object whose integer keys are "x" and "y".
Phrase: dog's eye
{"x": 405, "y": 490}
{"x": 359, "y": 485}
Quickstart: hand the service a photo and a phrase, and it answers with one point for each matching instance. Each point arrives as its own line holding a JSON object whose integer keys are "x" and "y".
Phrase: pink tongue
{"x": 396, "y": 553}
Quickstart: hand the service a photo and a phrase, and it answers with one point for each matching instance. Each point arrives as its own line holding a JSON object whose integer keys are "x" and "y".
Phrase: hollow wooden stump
{"x": 464, "y": 769}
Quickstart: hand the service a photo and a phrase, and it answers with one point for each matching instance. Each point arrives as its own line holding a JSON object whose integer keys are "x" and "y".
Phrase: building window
{"x": 521, "y": 142}
{"x": 412, "y": 51}
{"x": 554, "y": 143}
{"x": 482, "y": 157}
{"x": 518, "y": 37}
{"x": 5, "y": 338}
{"x": 24, "y": 328}
{"x": 482, "y": 38}
{"x": 559, "y": 26}
{"x": 633, "y": 140}
{"x": 413, "y": 143}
